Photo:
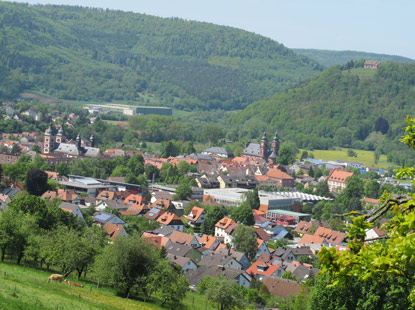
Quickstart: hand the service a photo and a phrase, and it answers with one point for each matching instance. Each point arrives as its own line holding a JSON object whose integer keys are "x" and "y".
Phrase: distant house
{"x": 114, "y": 230}
{"x": 184, "y": 262}
{"x": 280, "y": 177}
{"x": 219, "y": 259}
{"x": 237, "y": 180}
{"x": 281, "y": 287}
{"x": 183, "y": 238}
{"x": 222, "y": 225}
{"x": 171, "y": 219}
{"x": 113, "y": 204}
{"x": 209, "y": 242}
{"x": 238, "y": 276}
{"x": 102, "y": 218}
{"x": 196, "y": 216}
{"x": 260, "y": 269}
{"x": 217, "y": 152}
{"x": 371, "y": 64}
{"x": 262, "y": 248}
{"x": 184, "y": 251}
{"x": 72, "y": 208}
{"x": 337, "y": 180}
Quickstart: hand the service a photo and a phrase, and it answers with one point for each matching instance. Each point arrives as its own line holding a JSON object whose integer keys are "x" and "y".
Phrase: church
{"x": 255, "y": 151}
{"x": 57, "y": 145}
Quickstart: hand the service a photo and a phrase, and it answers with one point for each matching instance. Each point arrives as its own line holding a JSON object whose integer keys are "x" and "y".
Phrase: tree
{"x": 243, "y": 214}
{"x": 373, "y": 275}
{"x": 213, "y": 215}
{"x": 152, "y": 172}
{"x": 351, "y": 153}
{"x": 136, "y": 164}
{"x": 36, "y": 182}
{"x": 36, "y": 148}
{"x": 343, "y": 137}
{"x": 168, "y": 281}
{"x": 62, "y": 168}
{"x": 225, "y": 293}
{"x": 183, "y": 191}
{"x": 15, "y": 149}
{"x": 126, "y": 263}
{"x": 382, "y": 125}
{"x": 371, "y": 189}
{"x": 286, "y": 154}
{"x": 252, "y": 199}
{"x": 245, "y": 240}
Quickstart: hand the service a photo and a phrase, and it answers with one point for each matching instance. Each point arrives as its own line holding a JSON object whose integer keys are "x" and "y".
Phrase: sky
{"x": 379, "y": 26}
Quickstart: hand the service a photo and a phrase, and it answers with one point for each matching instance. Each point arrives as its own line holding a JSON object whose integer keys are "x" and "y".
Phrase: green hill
{"x": 28, "y": 289}
{"x": 94, "y": 54}
{"x": 331, "y": 58}
{"x": 343, "y": 106}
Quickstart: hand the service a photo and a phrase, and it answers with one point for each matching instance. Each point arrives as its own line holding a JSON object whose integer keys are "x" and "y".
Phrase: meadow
{"x": 364, "y": 157}
{"x": 28, "y": 289}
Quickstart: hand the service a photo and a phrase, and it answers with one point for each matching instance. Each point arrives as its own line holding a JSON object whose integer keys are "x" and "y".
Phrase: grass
{"x": 364, "y": 157}
{"x": 361, "y": 72}
{"x": 27, "y": 289}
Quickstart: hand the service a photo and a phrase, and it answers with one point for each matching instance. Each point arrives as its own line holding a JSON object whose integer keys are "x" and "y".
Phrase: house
{"x": 276, "y": 232}
{"x": 222, "y": 225}
{"x": 261, "y": 269}
{"x": 196, "y": 216}
{"x": 72, "y": 208}
{"x": 134, "y": 199}
{"x": 157, "y": 240}
{"x": 324, "y": 236}
{"x": 106, "y": 195}
{"x": 165, "y": 231}
{"x": 301, "y": 271}
{"x": 184, "y": 262}
{"x": 102, "y": 218}
{"x": 217, "y": 152}
{"x": 239, "y": 256}
{"x": 171, "y": 219}
{"x": 184, "y": 251}
{"x": 261, "y": 234}
{"x": 371, "y": 64}
{"x": 280, "y": 177}
{"x": 303, "y": 227}
{"x": 285, "y": 220}
{"x": 113, "y": 204}
{"x": 114, "y": 230}
{"x": 238, "y": 276}
{"x": 219, "y": 259}
{"x": 68, "y": 196}
{"x": 237, "y": 181}
{"x": 136, "y": 210}
{"x": 262, "y": 248}
{"x": 281, "y": 287}
{"x": 183, "y": 238}
{"x": 153, "y": 214}
{"x": 337, "y": 180}
{"x": 209, "y": 242}
{"x": 228, "y": 234}
{"x": 374, "y": 233}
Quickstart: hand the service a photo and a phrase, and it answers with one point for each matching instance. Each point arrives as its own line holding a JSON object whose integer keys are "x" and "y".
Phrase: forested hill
{"x": 94, "y": 54}
{"x": 331, "y": 58}
{"x": 342, "y": 106}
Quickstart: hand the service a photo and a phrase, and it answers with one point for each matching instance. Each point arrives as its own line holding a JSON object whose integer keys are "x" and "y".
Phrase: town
{"x": 246, "y": 218}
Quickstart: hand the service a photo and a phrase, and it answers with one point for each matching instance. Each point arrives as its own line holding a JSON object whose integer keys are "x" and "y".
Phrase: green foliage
{"x": 36, "y": 182}
{"x": 213, "y": 215}
{"x": 243, "y": 214}
{"x": 339, "y": 107}
{"x": 331, "y": 58}
{"x": 126, "y": 263}
{"x": 245, "y": 241}
{"x": 96, "y": 54}
{"x": 252, "y": 199}
{"x": 224, "y": 293}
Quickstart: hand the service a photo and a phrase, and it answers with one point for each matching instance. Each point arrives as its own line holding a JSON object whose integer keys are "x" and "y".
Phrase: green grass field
{"x": 364, "y": 157}
{"x": 28, "y": 289}
{"x": 361, "y": 72}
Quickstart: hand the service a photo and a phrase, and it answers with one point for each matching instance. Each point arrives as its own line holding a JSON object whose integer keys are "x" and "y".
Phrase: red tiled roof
{"x": 269, "y": 269}
{"x": 225, "y": 223}
{"x": 340, "y": 176}
{"x": 167, "y": 218}
{"x": 196, "y": 213}
{"x": 278, "y": 174}
{"x": 113, "y": 230}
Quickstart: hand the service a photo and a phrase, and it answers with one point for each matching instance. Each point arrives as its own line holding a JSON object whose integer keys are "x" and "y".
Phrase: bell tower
{"x": 49, "y": 141}
{"x": 275, "y": 146}
{"x": 263, "y": 148}
{"x": 59, "y": 136}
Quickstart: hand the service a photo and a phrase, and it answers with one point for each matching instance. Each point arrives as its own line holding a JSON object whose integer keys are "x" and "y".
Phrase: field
{"x": 364, "y": 157}
{"x": 27, "y": 289}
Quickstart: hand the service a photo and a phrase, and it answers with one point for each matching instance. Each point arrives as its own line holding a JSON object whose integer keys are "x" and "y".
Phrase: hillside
{"x": 93, "y": 54}
{"x": 331, "y": 58}
{"x": 343, "y": 107}
{"x": 28, "y": 289}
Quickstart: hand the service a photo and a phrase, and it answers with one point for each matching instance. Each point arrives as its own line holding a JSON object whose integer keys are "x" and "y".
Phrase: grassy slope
{"x": 364, "y": 157}
{"x": 26, "y": 288}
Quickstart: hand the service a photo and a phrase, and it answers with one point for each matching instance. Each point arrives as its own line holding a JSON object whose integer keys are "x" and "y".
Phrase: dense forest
{"x": 344, "y": 106}
{"x": 94, "y": 54}
{"x": 331, "y": 58}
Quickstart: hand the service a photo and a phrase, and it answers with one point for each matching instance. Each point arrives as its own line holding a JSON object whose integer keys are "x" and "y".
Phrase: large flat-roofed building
{"x": 273, "y": 214}
{"x": 130, "y": 109}
{"x": 235, "y": 196}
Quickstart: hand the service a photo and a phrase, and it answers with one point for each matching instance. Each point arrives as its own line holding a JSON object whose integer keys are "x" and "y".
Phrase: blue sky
{"x": 380, "y": 26}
